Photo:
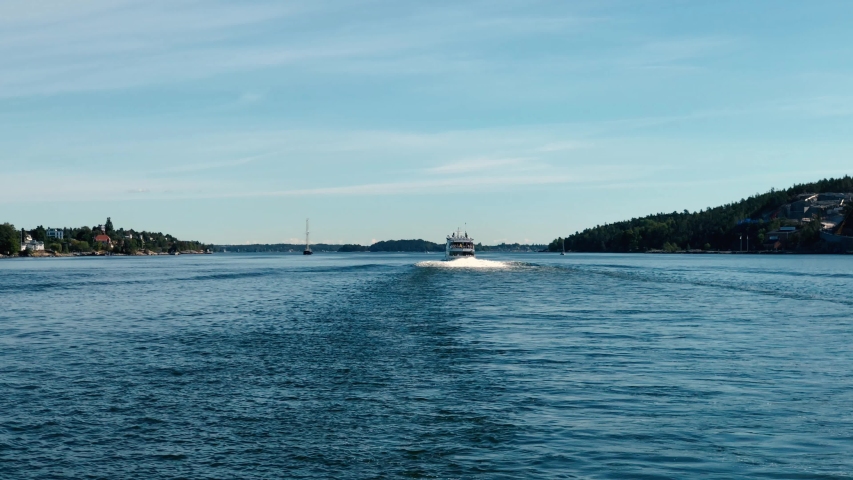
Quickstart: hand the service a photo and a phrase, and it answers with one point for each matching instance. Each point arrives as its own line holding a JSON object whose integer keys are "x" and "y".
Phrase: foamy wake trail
{"x": 467, "y": 262}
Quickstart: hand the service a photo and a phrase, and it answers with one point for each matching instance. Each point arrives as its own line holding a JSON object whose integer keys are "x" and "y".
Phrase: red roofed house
{"x": 104, "y": 239}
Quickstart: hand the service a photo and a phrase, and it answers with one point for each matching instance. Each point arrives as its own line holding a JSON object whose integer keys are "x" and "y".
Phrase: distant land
{"x": 807, "y": 218}
{"x": 96, "y": 240}
{"x": 418, "y": 245}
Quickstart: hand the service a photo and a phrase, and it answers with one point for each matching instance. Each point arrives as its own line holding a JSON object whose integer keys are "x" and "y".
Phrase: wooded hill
{"x": 717, "y": 228}
{"x": 406, "y": 246}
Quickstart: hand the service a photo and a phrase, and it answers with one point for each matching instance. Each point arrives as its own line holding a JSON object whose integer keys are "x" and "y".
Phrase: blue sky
{"x": 231, "y": 122}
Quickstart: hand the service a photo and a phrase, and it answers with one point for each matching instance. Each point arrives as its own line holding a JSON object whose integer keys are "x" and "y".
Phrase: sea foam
{"x": 468, "y": 262}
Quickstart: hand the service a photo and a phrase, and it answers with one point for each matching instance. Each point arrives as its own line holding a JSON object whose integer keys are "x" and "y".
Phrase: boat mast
{"x": 307, "y": 243}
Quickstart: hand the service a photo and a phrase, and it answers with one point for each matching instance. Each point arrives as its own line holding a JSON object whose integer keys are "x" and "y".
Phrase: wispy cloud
{"x": 250, "y": 97}
{"x": 197, "y": 167}
{"x": 101, "y": 45}
{"x": 475, "y": 165}
{"x": 676, "y": 52}
{"x": 442, "y": 186}
{"x": 19, "y": 187}
{"x": 15, "y": 187}
{"x": 561, "y": 146}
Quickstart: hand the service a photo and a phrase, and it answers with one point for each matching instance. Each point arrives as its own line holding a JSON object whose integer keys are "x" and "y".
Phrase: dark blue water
{"x": 369, "y": 366}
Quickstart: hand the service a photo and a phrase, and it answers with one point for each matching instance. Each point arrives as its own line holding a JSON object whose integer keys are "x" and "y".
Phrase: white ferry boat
{"x": 459, "y": 245}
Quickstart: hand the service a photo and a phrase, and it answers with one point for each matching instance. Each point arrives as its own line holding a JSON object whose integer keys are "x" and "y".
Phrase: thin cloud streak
{"x": 197, "y": 167}
{"x": 108, "y": 46}
{"x": 460, "y": 185}
{"x": 171, "y": 190}
{"x": 476, "y": 165}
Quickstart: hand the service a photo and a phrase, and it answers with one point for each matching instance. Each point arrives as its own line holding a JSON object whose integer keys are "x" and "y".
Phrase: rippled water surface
{"x": 375, "y": 366}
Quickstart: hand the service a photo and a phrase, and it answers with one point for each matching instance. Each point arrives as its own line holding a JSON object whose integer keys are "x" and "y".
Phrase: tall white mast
{"x": 307, "y": 243}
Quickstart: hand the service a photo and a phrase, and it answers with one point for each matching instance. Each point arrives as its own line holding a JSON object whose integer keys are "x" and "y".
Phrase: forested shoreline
{"x": 719, "y": 228}
{"x": 80, "y": 240}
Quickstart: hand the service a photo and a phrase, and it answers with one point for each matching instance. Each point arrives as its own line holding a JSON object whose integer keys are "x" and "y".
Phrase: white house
{"x": 25, "y": 239}
{"x": 34, "y": 246}
{"x": 55, "y": 233}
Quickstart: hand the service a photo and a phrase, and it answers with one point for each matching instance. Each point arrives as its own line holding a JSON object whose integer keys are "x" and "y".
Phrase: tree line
{"x": 406, "y": 246}
{"x": 274, "y": 247}
{"x": 82, "y": 239}
{"x": 719, "y": 228}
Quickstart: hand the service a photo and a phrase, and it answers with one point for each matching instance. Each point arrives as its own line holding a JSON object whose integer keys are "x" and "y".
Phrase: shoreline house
{"x": 25, "y": 239}
{"x": 778, "y": 239}
{"x": 55, "y": 233}
{"x": 28, "y": 243}
{"x": 33, "y": 245}
{"x": 104, "y": 240}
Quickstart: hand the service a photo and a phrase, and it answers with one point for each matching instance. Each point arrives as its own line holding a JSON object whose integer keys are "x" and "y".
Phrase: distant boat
{"x": 307, "y": 250}
{"x": 458, "y": 245}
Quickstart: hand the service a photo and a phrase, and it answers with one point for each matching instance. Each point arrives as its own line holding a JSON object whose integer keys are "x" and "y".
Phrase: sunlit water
{"x": 374, "y": 366}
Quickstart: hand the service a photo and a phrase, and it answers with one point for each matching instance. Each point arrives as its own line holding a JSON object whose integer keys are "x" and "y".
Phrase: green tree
{"x": 108, "y": 226}
{"x": 40, "y": 233}
{"x": 10, "y": 242}
{"x": 84, "y": 235}
{"x": 128, "y": 247}
{"x": 79, "y": 246}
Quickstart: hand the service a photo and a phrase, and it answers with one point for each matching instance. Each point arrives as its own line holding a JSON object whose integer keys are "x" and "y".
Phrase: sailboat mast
{"x": 307, "y": 243}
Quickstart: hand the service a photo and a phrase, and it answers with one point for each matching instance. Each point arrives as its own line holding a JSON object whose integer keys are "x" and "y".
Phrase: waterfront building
{"x": 55, "y": 233}
{"x": 25, "y": 239}
{"x": 34, "y": 246}
{"x": 105, "y": 240}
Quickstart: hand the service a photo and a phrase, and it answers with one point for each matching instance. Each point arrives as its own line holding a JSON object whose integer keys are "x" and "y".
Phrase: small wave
{"x": 468, "y": 262}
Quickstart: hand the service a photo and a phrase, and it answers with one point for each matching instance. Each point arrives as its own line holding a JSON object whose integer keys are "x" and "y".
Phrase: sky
{"x": 232, "y": 122}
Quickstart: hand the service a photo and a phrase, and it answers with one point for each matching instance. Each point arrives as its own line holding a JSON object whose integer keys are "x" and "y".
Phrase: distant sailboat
{"x": 307, "y": 250}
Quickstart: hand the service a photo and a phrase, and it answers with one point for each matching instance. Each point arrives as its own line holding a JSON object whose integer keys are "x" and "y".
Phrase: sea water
{"x": 393, "y": 365}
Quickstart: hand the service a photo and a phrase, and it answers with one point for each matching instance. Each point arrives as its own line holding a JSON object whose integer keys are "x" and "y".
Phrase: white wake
{"x": 468, "y": 262}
